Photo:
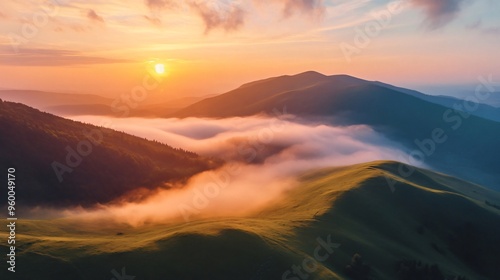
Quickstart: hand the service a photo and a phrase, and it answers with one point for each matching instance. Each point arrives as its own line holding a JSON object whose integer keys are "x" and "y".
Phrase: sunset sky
{"x": 210, "y": 46}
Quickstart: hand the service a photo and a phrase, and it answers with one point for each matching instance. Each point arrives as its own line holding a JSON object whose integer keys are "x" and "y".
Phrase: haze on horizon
{"x": 211, "y": 46}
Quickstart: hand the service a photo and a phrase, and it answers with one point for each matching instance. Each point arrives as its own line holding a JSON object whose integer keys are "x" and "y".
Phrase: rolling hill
{"x": 338, "y": 223}
{"x": 466, "y": 147}
{"x": 60, "y": 162}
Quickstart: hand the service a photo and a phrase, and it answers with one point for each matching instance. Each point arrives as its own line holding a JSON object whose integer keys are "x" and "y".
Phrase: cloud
{"x": 161, "y": 4}
{"x": 478, "y": 25}
{"x": 156, "y": 7}
{"x": 275, "y": 149}
{"x": 153, "y": 19}
{"x": 229, "y": 17}
{"x": 494, "y": 30}
{"x": 71, "y": 26}
{"x": 50, "y": 57}
{"x": 314, "y": 8}
{"x": 93, "y": 16}
{"x": 439, "y": 12}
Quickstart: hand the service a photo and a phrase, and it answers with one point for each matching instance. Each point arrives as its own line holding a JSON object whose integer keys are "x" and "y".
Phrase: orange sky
{"x": 211, "y": 46}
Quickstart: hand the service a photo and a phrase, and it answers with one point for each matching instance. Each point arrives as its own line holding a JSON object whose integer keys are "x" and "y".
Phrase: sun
{"x": 160, "y": 68}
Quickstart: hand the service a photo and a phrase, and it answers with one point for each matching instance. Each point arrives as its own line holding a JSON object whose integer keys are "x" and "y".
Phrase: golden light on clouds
{"x": 222, "y": 44}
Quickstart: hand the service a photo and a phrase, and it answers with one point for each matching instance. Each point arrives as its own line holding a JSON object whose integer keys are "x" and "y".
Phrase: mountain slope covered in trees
{"x": 60, "y": 162}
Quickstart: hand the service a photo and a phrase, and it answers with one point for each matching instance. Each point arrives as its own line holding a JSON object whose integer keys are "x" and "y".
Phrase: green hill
{"x": 438, "y": 221}
{"x": 60, "y": 162}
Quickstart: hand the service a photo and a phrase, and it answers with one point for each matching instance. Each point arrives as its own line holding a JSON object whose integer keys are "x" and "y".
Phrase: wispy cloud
{"x": 161, "y": 4}
{"x": 51, "y": 57}
{"x": 314, "y": 8}
{"x": 228, "y": 17}
{"x": 215, "y": 14}
{"x": 439, "y": 12}
{"x": 478, "y": 25}
{"x": 93, "y": 16}
{"x": 494, "y": 30}
{"x": 153, "y": 19}
{"x": 232, "y": 15}
{"x": 158, "y": 6}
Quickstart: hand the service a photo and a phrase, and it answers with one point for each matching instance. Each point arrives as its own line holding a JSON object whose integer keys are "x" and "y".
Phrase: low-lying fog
{"x": 264, "y": 155}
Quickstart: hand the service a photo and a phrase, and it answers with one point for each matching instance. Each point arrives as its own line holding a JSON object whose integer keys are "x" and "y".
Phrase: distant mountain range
{"x": 449, "y": 140}
{"x": 339, "y": 223}
{"x": 60, "y": 103}
{"x": 479, "y": 109}
{"x": 67, "y": 104}
{"x": 492, "y": 100}
{"x": 60, "y": 162}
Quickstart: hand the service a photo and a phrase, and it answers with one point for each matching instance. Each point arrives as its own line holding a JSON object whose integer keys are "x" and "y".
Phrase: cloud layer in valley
{"x": 264, "y": 156}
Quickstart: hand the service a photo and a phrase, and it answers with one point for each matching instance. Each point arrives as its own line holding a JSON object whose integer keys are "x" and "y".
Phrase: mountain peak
{"x": 309, "y": 74}
{"x": 345, "y": 77}
{"x": 339, "y": 78}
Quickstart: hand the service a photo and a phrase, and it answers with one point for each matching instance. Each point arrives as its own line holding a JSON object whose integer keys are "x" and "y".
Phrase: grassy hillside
{"x": 429, "y": 218}
{"x": 469, "y": 150}
{"x": 102, "y": 165}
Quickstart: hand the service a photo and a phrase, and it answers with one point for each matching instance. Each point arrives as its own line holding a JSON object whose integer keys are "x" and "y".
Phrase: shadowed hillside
{"x": 468, "y": 150}
{"x": 60, "y": 162}
{"x": 433, "y": 224}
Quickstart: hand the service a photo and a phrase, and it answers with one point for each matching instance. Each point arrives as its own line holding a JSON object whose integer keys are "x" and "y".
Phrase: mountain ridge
{"x": 345, "y": 100}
